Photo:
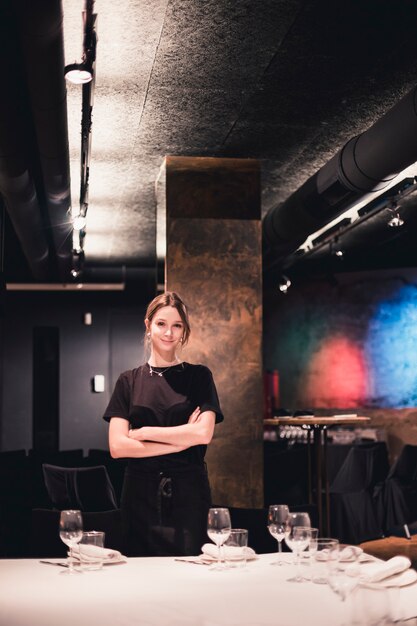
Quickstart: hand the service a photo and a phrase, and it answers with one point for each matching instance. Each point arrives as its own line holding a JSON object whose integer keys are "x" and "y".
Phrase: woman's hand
{"x": 194, "y": 416}
{"x": 145, "y": 433}
{"x": 127, "y": 444}
{"x": 138, "y": 434}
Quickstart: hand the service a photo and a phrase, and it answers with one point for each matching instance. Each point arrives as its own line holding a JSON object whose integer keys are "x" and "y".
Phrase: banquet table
{"x": 162, "y": 591}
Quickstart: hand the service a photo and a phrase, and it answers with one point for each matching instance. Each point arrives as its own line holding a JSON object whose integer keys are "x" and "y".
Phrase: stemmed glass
{"x": 297, "y": 538}
{"x": 307, "y": 557}
{"x": 218, "y": 530}
{"x": 71, "y": 532}
{"x": 277, "y": 517}
{"x": 343, "y": 580}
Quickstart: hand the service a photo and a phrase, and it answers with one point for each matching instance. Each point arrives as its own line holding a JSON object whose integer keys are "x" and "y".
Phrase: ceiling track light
{"x": 83, "y": 73}
{"x": 79, "y": 222}
{"x": 77, "y": 263}
{"x": 336, "y": 250}
{"x": 79, "y": 73}
{"x": 395, "y": 220}
{"x": 284, "y": 284}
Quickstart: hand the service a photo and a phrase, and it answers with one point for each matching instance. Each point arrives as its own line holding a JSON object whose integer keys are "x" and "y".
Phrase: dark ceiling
{"x": 288, "y": 82}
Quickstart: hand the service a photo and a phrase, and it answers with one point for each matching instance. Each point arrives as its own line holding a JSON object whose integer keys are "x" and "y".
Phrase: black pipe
{"x": 367, "y": 162}
{"x": 41, "y": 35}
{"x": 17, "y": 185}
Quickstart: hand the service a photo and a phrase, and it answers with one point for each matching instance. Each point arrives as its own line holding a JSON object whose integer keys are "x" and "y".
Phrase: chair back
{"x": 405, "y": 467}
{"x": 364, "y": 467}
{"x": 83, "y": 488}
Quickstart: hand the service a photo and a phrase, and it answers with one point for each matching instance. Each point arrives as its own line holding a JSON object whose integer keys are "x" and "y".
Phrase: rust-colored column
{"x": 213, "y": 260}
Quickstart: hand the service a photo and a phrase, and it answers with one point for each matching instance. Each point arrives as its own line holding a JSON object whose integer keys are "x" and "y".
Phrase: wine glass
{"x": 71, "y": 532}
{"x": 277, "y": 517}
{"x": 344, "y": 579}
{"x": 307, "y": 556}
{"x": 218, "y": 530}
{"x": 297, "y": 541}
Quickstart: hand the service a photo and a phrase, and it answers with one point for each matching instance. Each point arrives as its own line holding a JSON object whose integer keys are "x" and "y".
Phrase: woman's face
{"x": 166, "y": 329}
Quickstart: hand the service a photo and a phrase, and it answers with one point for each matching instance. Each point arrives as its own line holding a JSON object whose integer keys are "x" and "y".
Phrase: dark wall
{"x": 111, "y": 344}
{"x": 347, "y": 344}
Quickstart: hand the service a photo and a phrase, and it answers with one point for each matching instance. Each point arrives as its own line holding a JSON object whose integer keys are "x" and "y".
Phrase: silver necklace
{"x": 152, "y": 371}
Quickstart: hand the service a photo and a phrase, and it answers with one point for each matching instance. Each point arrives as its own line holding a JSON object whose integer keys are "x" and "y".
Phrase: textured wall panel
{"x": 349, "y": 347}
{"x": 215, "y": 264}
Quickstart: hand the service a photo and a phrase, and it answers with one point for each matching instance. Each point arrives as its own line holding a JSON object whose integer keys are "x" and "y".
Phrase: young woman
{"x": 162, "y": 416}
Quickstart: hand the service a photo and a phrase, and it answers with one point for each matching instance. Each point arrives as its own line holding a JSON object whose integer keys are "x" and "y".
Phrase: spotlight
{"x": 78, "y": 73}
{"x": 284, "y": 284}
{"x": 336, "y": 250}
{"x": 77, "y": 263}
{"x": 79, "y": 222}
{"x": 395, "y": 221}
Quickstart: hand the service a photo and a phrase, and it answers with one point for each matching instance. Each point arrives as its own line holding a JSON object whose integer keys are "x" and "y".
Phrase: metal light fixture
{"x": 396, "y": 221}
{"x": 77, "y": 263}
{"x": 284, "y": 284}
{"x": 336, "y": 250}
{"x": 83, "y": 74}
{"x": 79, "y": 222}
{"x": 79, "y": 73}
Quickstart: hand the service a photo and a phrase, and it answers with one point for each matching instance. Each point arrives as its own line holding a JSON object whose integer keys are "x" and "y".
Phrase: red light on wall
{"x": 335, "y": 376}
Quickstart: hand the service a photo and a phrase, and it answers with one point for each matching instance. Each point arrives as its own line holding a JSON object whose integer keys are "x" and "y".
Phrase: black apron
{"x": 165, "y": 513}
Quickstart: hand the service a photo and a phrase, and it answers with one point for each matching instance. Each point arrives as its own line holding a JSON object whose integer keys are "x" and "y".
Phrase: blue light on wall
{"x": 391, "y": 350}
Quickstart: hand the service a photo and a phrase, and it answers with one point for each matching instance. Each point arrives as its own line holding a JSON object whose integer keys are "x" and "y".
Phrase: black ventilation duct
{"x": 367, "y": 162}
{"x": 41, "y": 37}
{"x": 17, "y": 185}
{"x": 34, "y": 155}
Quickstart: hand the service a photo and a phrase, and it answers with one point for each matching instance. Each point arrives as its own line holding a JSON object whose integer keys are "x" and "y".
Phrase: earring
{"x": 148, "y": 334}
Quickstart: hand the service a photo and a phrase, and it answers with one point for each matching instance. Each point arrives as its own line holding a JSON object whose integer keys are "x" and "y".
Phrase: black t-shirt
{"x": 168, "y": 400}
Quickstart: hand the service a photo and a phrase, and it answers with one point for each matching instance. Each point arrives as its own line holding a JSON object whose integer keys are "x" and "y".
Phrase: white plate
{"x": 113, "y": 561}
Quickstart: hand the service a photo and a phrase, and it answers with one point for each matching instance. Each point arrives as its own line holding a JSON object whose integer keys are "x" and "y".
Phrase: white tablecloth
{"x": 165, "y": 592}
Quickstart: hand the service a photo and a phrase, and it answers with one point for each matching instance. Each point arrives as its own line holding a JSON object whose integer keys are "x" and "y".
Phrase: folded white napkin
{"x": 89, "y": 552}
{"x": 211, "y": 550}
{"x": 374, "y": 572}
{"x": 349, "y": 553}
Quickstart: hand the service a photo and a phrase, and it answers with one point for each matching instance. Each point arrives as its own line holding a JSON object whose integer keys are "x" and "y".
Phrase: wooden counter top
{"x": 332, "y": 420}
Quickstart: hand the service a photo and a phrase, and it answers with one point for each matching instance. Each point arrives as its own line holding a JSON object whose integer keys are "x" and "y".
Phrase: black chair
{"x": 44, "y": 532}
{"x": 83, "y": 488}
{"x": 60, "y": 458}
{"x": 11, "y": 458}
{"x": 63, "y": 458}
{"x": 336, "y": 456}
{"x": 353, "y": 511}
{"x": 15, "y": 503}
{"x": 115, "y": 467}
{"x": 397, "y": 499}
